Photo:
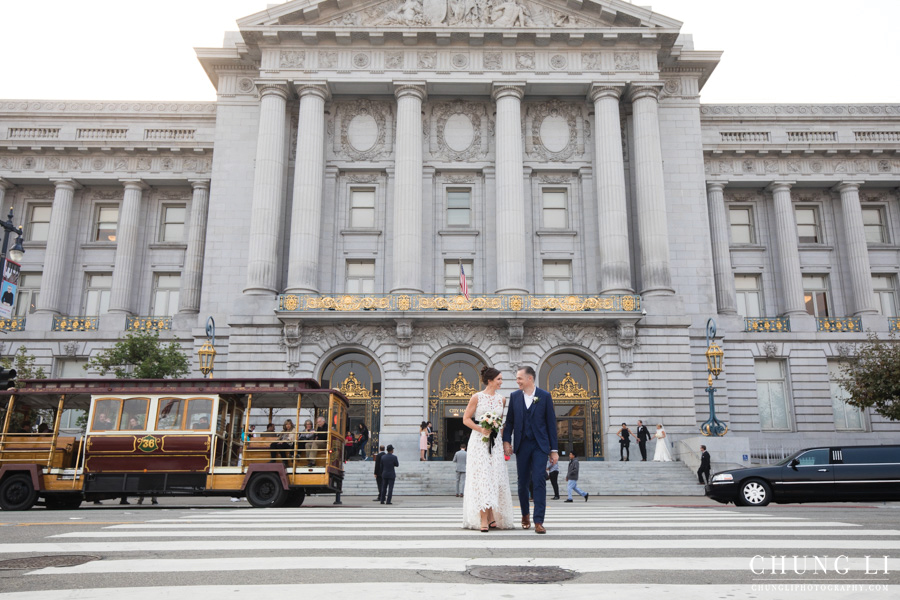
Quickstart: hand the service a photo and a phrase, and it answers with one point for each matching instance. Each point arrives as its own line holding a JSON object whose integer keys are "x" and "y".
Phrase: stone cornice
{"x": 106, "y": 107}
{"x": 799, "y": 111}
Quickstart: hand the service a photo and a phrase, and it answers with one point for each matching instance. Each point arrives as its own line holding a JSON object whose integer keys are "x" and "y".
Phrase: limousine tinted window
{"x": 814, "y": 457}
{"x": 874, "y": 455}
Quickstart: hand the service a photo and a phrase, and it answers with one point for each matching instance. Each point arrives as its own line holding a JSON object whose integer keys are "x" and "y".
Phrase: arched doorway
{"x": 573, "y": 383}
{"x": 453, "y": 379}
{"x": 358, "y": 377}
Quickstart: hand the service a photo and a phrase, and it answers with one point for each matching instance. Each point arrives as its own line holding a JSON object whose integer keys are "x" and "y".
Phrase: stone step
{"x": 615, "y": 478}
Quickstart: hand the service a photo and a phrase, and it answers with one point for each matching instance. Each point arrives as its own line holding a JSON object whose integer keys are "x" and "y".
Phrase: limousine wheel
{"x": 17, "y": 493}
{"x": 265, "y": 491}
{"x": 755, "y": 493}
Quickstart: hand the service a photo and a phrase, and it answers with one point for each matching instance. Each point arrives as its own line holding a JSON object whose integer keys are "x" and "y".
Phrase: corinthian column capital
{"x": 507, "y": 90}
{"x": 606, "y": 90}
{"x": 645, "y": 89}
{"x": 272, "y": 88}
{"x": 312, "y": 88}
{"x": 410, "y": 88}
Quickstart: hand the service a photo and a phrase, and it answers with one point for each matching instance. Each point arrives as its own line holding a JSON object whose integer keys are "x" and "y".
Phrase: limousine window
{"x": 862, "y": 456}
{"x": 814, "y": 457}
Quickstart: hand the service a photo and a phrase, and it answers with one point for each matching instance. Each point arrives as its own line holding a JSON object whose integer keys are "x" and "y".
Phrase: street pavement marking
{"x": 455, "y": 524}
{"x": 474, "y": 591}
{"x": 459, "y": 532}
{"x": 427, "y": 563}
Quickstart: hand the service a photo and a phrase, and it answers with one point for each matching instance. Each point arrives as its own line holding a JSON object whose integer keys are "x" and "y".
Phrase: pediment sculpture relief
{"x": 460, "y": 13}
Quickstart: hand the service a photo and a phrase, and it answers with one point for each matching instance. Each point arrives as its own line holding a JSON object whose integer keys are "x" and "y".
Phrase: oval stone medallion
{"x": 362, "y": 132}
{"x": 458, "y": 132}
{"x": 554, "y": 133}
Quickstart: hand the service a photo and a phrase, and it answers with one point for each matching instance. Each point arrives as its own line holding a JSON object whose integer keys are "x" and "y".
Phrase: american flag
{"x": 463, "y": 286}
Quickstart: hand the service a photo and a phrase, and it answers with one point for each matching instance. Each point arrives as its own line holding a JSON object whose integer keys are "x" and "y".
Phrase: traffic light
{"x": 7, "y": 379}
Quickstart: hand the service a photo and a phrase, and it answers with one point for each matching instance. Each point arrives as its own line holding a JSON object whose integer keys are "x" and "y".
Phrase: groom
{"x": 532, "y": 420}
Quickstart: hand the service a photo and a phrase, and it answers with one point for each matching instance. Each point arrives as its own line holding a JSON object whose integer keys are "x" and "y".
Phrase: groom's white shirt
{"x": 529, "y": 399}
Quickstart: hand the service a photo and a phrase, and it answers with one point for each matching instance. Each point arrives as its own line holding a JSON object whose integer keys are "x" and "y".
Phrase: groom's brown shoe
{"x": 539, "y": 528}
{"x": 526, "y": 522}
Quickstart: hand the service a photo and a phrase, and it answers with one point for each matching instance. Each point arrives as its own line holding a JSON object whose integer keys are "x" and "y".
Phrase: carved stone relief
{"x": 393, "y": 60}
{"x": 494, "y": 13}
{"x": 459, "y": 130}
{"x": 590, "y": 61}
{"x": 292, "y": 59}
{"x": 364, "y": 129}
{"x": 525, "y": 61}
{"x": 493, "y": 61}
{"x": 427, "y": 60}
{"x": 328, "y": 59}
{"x": 627, "y": 61}
{"x": 554, "y": 130}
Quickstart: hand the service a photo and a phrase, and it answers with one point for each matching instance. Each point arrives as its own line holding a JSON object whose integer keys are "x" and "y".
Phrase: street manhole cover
{"x": 43, "y": 562}
{"x": 522, "y": 574}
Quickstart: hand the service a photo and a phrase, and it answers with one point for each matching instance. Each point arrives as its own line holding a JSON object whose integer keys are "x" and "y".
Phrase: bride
{"x": 662, "y": 453}
{"x": 487, "y": 502}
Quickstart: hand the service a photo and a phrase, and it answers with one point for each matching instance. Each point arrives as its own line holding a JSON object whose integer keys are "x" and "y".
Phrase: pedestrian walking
{"x": 704, "y": 466}
{"x": 379, "y": 481}
{"x": 432, "y": 447}
{"x": 460, "y": 459}
{"x": 389, "y": 463}
{"x": 553, "y": 476}
{"x": 423, "y": 440}
{"x": 643, "y": 436}
{"x": 625, "y": 436}
{"x": 572, "y": 479}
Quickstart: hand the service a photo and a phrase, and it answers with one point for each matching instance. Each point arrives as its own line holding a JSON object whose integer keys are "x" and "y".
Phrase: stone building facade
{"x": 361, "y": 154}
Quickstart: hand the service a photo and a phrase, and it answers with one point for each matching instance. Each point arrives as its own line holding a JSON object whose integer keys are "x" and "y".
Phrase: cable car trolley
{"x": 184, "y": 437}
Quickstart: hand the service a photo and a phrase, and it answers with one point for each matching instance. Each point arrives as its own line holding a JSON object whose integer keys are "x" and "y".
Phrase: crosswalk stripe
{"x": 428, "y": 563}
{"x": 459, "y": 532}
{"x": 455, "y": 524}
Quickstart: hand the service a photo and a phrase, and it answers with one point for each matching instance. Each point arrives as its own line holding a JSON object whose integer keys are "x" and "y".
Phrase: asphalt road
{"x": 674, "y": 547}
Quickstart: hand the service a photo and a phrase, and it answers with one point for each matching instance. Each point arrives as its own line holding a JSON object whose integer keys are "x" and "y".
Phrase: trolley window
{"x": 106, "y": 414}
{"x": 134, "y": 414}
{"x": 171, "y": 413}
{"x": 199, "y": 412}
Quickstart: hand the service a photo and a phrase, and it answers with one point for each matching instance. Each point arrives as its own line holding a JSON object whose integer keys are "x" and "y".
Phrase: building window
{"x": 815, "y": 295}
{"x": 96, "y": 297}
{"x": 27, "y": 296}
{"x": 360, "y": 277}
{"x": 362, "y": 209}
{"x": 807, "y": 225}
{"x": 749, "y": 297}
{"x": 451, "y": 276}
{"x": 172, "y": 229}
{"x": 557, "y": 277}
{"x": 107, "y": 223}
{"x": 459, "y": 207}
{"x": 771, "y": 394}
{"x": 39, "y": 223}
{"x": 873, "y": 223}
{"x": 885, "y": 295}
{"x": 846, "y": 416}
{"x": 741, "y": 219}
{"x": 165, "y": 294}
{"x": 554, "y": 209}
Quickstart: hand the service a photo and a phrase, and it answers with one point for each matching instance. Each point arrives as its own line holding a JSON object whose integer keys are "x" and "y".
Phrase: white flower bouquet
{"x": 493, "y": 422}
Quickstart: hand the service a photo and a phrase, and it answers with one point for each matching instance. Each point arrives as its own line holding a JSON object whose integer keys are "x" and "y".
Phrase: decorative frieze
{"x": 800, "y": 110}
{"x": 554, "y": 130}
{"x": 106, "y": 164}
{"x": 459, "y": 130}
{"x": 486, "y": 13}
{"x": 835, "y": 165}
{"x": 363, "y": 129}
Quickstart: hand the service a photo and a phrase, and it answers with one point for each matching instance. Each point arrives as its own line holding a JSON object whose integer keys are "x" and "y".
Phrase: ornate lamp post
{"x": 714, "y": 356}
{"x": 207, "y": 352}
{"x": 15, "y": 253}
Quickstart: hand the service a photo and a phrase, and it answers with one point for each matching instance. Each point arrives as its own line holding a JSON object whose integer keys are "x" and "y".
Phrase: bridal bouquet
{"x": 493, "y": 422}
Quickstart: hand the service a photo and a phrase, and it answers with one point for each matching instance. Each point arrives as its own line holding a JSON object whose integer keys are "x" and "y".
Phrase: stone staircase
{"x": 602, "y": 478}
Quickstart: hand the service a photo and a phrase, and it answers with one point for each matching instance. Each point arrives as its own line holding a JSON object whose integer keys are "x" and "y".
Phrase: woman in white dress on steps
{"x": 662, "y": 453}
{"x": 487, "y": 502}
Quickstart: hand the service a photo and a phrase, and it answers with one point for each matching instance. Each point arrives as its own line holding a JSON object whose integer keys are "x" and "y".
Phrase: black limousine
{"x": 844, "y": 474}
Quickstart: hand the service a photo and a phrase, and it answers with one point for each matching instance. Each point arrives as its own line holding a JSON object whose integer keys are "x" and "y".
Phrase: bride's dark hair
{"x": 488, "y": 374}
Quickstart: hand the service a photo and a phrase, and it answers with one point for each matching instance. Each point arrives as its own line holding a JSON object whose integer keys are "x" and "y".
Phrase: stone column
{"x": 510, "y": 223}
{"x": 266, "y": 212}
{"x": 56, "y": 256}
{"x": 309, "y": 173}
{"x": 612, "y": 211}
{"x": 407, "y": 250}
{"x": 857, "y": 249}
{"x": 192, "y": 276}
{"x": 726, "y": 297}
{"x": 650, "y": 200}
{"x": 788, "y": 251}
{"x": 4, "y": 185}
{"x": 126, "y": 247}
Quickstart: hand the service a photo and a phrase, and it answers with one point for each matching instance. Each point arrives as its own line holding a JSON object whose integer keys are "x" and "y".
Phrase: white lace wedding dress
{"x": 662, "y": 453}
{"x": 487, "y": 481}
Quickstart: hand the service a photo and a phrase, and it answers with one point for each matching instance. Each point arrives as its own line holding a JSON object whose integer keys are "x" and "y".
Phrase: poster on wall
{"x": 8, "y": 288}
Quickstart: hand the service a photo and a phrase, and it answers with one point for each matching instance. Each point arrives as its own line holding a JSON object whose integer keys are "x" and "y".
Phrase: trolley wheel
{"x": 755, "y": 492}
{"x": 265, "y": 491}
{"x": 62, "y": 501}
{"x": 17, "y": 493}
{"x": 295, "y": 498}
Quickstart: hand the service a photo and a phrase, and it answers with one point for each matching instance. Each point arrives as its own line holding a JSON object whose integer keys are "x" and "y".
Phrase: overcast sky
{"x": 775, "y": 50}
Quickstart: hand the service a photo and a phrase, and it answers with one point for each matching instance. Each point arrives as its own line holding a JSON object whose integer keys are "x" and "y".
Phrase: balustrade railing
{"x": 767, "y": 324}
{"x": 12, "y": 324}
{"x": 75, "y": 323}
{"x": 148, "y": 323}
{"x": 839, "y": 324}
{"x": 894, "y": 324}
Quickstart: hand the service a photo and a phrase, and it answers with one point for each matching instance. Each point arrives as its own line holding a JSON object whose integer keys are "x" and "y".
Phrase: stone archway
{"x": 358, "y": 377}
{"x": 453, "y": 378}
{"x": 574, "y": 385}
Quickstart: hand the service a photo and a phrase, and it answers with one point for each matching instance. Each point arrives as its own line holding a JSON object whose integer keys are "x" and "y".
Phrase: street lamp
{"x": 714, "y": 367}
{"x": 207, "y": 352}
{"x": 15, "y": 253}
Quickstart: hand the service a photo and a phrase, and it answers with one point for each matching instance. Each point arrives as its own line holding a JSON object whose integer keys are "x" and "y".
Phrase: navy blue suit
{"x": 533, "y": 435}
{"x": 388, "y": 463}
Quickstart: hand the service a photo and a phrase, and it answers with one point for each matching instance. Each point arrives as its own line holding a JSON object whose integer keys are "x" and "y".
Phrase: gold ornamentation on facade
{"x": 767, "y": 325}
{"x": 894, "y": 324}
{"x": 498, "y": 302}
{"x": 515, "y": 303}
{"x": 840, "y": 324}
{"x": 348, "y": 303}
{"x": 403, "y": 303}
{"x": 569, "y": 389}
{"x": 148, "y": 323}
{"x": 75, "y": 323}
{"x": 582, "y": 303}
{"x": 460, "y": 388}
{"x": 458, "y": 303}
{"x": 290, "y": 302}
{"x": 352, "y": 388}
{"x": 12, "y": 324}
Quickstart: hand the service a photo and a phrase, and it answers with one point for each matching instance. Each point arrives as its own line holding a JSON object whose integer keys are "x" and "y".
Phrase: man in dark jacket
{"x": 704, "y": 466}
{"x": 643, "y": 436}
{"x": 572, "y": 478}
{"x": 378, "y": 480}
{"x": 389, "y": 462}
